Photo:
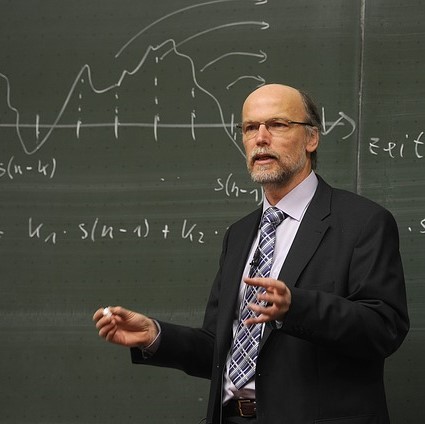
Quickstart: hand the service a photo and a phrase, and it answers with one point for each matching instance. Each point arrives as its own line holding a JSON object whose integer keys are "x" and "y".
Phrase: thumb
{"x": 120, "y": 311}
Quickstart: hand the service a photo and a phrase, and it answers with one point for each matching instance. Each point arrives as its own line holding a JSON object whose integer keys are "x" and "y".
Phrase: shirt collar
{"x": 296, "y": 201}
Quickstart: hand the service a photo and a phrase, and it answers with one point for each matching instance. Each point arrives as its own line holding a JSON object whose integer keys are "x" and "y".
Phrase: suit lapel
{"x": 312, "y": 229}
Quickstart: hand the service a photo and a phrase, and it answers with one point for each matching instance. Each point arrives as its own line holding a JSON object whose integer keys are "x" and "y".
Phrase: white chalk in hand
{"x": 107, "y": 312}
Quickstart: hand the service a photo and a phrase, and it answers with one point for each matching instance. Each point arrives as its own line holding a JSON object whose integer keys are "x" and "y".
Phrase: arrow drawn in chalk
{"x": 262, "y": 55}
{"x": 258, "y": 78}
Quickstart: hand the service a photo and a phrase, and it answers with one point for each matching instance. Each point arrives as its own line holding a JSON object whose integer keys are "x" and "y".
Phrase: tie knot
{"x": 273, "y": 216}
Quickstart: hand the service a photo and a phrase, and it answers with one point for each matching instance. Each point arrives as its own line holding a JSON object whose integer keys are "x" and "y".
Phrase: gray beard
{"x": 279, "y": 177}
{"x": 287, "y": 169}
{"x": 265, "y": 177}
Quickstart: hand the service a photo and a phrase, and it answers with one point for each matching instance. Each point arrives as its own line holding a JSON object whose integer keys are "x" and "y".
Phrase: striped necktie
{"x": 245, "y": 344}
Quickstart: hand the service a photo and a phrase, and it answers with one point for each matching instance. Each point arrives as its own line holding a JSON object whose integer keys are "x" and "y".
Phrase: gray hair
{"x": 313, "y": 117}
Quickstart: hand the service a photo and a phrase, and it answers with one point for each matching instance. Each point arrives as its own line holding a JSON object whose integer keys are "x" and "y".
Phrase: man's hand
{"x": 276, "y": 299}
{"x": 125, "y": 327}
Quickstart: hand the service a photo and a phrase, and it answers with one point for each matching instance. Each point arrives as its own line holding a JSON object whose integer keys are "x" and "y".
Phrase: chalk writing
{"x": 398, "y": 149}
{"x": 189, "y": 233}
{"x": 343, "y": 120}
{"x": 419, "y": 229}
{"x": 35, "y": 232}
{"x": 12, "y": 168}
{"x": 261, "y": 55}
{"x": 231, "y": 189}
{"x": 97, "y": 230}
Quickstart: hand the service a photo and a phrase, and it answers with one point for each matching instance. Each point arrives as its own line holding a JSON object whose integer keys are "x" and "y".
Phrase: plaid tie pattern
{"x": 245, "y": 344}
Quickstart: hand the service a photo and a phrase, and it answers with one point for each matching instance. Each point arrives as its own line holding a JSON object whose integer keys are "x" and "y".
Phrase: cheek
{"x": 287, "y": 148}
{"x": 292, "y": 152}
{"x": 248, "y": 146}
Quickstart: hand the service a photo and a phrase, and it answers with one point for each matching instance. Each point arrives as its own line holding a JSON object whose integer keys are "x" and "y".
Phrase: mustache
{"x": 262, "y": 152}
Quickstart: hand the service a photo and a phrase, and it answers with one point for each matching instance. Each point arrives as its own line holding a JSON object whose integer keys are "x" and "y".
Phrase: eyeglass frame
{"x": 267, "y": 123}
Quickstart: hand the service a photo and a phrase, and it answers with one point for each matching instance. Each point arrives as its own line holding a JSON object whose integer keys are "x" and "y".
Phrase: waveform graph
{"x": 149, "y": 117}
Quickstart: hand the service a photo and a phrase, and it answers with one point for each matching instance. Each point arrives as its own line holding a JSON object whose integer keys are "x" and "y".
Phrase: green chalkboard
{"x": 120, "y": 171}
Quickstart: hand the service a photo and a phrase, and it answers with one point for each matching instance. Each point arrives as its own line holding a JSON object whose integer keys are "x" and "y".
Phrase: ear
{"x": 313, "y": 140}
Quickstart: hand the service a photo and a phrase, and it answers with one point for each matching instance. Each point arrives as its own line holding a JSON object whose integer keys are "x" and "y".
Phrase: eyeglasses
{"x": 275, "y": 127}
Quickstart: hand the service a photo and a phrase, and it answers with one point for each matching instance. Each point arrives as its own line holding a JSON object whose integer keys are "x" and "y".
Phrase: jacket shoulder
{"x": 347, "y": 201}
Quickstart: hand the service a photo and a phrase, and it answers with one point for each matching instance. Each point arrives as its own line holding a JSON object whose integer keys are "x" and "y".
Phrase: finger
{"x": 260, "y": 319}
{"x": 119, "y": 311}
{"x": 265, "y": 313}
{"x": 267, "y": 298}
{"x": 110, "y": 335}
{"x": 104, "y": 330}
{"x": 101, "y": 312}
{"x": 98, "y": 314}
{"x": 258, "y": 310}
{"x": 268, "y": 309}
{"x": 107, "y": 322}
{"x": 257, "y": 282}
{"x": 266, "y": 283}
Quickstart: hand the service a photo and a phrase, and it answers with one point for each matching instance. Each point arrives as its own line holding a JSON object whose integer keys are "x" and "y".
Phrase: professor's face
{"x": 277, "y": 150}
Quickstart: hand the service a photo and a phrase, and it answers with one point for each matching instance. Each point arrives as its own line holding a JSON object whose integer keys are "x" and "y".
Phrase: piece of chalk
{"x": 107, "y": 312}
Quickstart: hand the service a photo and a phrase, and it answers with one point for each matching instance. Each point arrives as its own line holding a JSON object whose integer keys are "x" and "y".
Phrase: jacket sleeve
{"x": 184, "y": 348}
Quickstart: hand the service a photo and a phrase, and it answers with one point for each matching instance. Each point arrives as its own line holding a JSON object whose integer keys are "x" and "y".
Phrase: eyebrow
{"x": 269, "y": 119}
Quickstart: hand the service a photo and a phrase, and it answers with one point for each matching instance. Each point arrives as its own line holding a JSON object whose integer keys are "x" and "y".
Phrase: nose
{"x": 263, "y": 135}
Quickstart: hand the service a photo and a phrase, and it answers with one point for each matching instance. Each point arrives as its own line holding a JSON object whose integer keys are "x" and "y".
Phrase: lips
{"x": 263, "y": 157}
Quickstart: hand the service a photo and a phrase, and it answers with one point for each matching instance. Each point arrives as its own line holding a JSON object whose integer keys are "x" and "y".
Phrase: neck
{"x": 274, "y": 192}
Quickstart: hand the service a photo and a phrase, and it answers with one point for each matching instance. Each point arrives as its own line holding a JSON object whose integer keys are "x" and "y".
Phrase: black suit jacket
{"x": 348, "y": 313}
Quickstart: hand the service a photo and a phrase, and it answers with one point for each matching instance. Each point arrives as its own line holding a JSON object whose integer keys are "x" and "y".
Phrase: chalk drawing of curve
{"x": 86, "y": 73}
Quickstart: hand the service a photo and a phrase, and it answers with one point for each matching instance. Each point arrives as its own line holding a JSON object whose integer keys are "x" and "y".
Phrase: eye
{"x": 249, "y": 127}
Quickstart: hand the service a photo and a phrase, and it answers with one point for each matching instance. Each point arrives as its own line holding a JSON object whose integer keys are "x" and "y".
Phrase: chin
{"x": 267, "y": 177}
{"x": 279, "y": 176}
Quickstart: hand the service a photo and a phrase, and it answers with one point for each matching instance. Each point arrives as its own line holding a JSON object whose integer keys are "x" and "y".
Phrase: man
{"x": 328, "y": 312}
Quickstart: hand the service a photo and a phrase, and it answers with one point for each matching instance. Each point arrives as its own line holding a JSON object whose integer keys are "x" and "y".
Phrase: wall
{"x": 120, "y": 171}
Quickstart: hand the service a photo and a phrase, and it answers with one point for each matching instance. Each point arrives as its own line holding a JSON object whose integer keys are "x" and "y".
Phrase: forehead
{"x": 273, "y": 101}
